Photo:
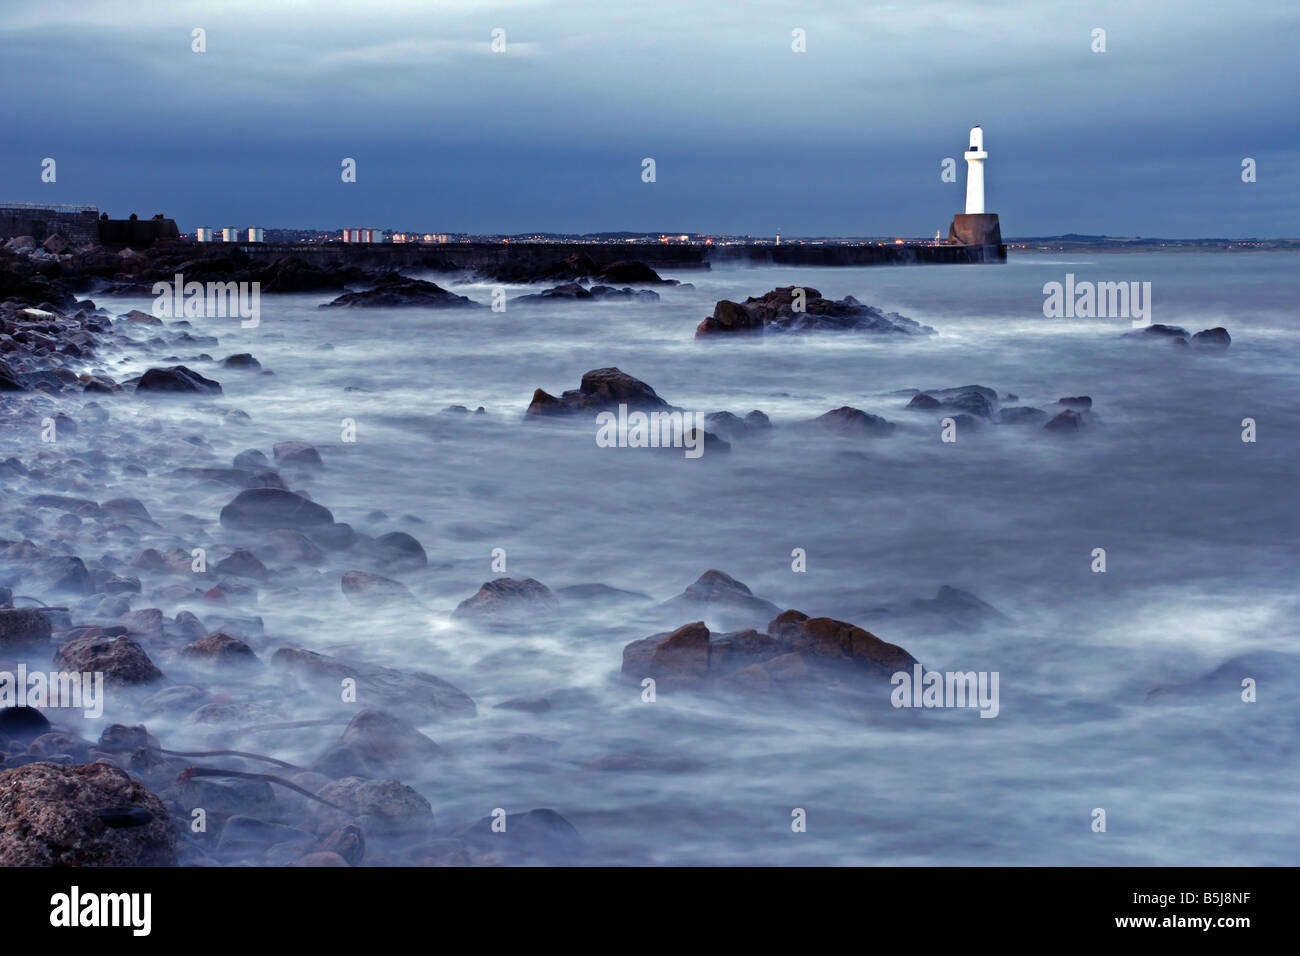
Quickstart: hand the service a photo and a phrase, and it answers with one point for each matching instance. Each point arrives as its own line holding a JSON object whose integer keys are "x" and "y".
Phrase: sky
{"x": 748, "y": 136}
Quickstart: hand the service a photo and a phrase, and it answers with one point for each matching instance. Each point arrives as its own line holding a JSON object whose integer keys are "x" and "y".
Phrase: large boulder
{"x": 381, "y": 806}
{"x": 601, "y": 389}
{"x": 265, "y": 508}
{"x": 802, "y": 309}
{"x": 85, "y": 815}
{"x": 377, "y": 744}
{"x": 177, "y": 379}
{"x": 123, "y": 662}
{"x": 371, "y": 590}
{"x": 838, "y": 642}
{"x": 394, "y": 291}
{"x": 679, "y": 657}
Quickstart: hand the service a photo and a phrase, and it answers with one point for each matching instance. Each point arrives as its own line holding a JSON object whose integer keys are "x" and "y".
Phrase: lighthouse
{"x": 975, "y": 157}
{"x": 975, "y": 227}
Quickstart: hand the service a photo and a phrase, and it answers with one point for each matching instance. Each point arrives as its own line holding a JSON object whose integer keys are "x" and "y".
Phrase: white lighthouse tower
{"x": 975, "y": 157}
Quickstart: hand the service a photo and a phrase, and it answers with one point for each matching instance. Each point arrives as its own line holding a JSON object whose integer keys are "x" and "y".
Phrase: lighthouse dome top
{"x": 976, "y": 138}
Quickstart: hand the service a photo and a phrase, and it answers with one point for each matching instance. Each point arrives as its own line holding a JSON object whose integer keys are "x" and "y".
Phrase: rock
{"x": 600, "y": 593}
{"x": 146, "y": 622}
{"x": 264, "y": 508}
{"x": 827, "y": 640}
{"x": 333, "y": 537}
{"x": 781, "y": 311}
{"x": 220, "y": 650}
{"x": 376, "y": 744}
{"x": 1216, "y": 338}
{"x": 23, "y": 724}
{"x": 23, "y": 630}
{"x": 415, "y": 695}
{"x": 682, "y": 656}
{"x": 394, "y": 291}
{"x": 721, "y": 598}
{"x": 602, "y": 389}
{"x": 569, "y": 291}
{"x": 126, "y": 509}
{"x": 736, "y": 649}
{"x": 626, "y": 271}
{"x": 529, "y": 705}
{"x": 1068, "y": 421}
{"x": 252, "y": 460}
{"x": 854, "y": 423}
{"x": 923, "y": 401}
{"x": 177, "y": 378}
{"x": 8, "y": 381}
{"x": 63, "y": 573}
{"x": 347, "y": 841}
{"x": 241, "y": 360}
{"x": 296, "y": 453}
{"x": 960, "y": 607}
{"x": 1077, "y": 402}
{"x": 539, "y": 836}
{"x": 242, "y": 833}
{"x": 52, "y": 815}
{"x": 1158, "y": 331}
{"x": 1022, "y": 415}
{"x": 371, "y": 590}
{"x": 241, "y": 564}
{"x": 506, "y": 598}
{"x": 399, "y": 551}
{"x": 381, "y": 806}
{"x": 123, "y": 661}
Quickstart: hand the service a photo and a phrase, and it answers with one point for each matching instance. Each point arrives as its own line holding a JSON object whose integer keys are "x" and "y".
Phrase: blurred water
{"x": 1199, "y": 529}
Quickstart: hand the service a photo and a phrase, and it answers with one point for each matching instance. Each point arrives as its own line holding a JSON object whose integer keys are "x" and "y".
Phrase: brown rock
{"x": 88, "y": 815}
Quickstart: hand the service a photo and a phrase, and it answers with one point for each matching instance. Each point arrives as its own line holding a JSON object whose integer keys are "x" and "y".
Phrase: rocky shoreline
{"x": 93, "y": 580}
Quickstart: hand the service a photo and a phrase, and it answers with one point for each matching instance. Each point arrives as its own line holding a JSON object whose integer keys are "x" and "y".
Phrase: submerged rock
{"x": 854, "y": 423}
{"x": 266, "y": 508}
{"x": 721, "y": 598}
{"x": 507, "y": 598}
{"x": 376, "y": 744}
{"x": 414, "y": 694}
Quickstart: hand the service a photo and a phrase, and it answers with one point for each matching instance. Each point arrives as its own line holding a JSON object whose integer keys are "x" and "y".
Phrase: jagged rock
{"x": 682, "y": 656}
{"x": 602, "y": 389}
{"x": 241, "y": 360}
{"x": 1068, "y": 421}
{"x": 776, "y": 311}
{"x": 960, "y": 607}
{"x": 88, "y": 815}
{"x": 836, "y": 641}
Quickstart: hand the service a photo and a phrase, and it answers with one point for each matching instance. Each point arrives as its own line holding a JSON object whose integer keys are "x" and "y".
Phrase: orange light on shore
{"x": 898, "y": 242}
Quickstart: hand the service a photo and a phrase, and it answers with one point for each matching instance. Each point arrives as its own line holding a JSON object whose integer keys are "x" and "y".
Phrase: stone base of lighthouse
{"x": 975, "y": 229}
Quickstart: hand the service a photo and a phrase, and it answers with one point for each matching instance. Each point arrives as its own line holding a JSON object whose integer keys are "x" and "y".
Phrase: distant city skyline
{"x": 747, "y": 136}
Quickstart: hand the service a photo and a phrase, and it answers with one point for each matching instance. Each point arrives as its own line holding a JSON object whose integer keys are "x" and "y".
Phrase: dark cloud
{"x": 845, "y": 139}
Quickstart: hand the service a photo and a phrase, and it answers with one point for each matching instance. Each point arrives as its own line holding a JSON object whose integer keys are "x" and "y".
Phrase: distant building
{"x": 255, "y": 234}
{"x": 229, "y": 234}
{"x": 203, "y": 234}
